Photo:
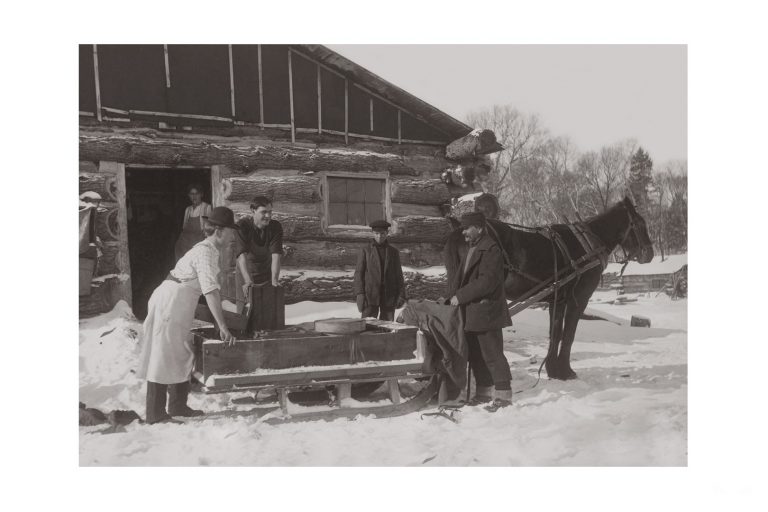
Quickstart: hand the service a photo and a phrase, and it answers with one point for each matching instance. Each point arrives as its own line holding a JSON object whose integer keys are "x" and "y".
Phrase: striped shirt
{"x": 201, "y": 262}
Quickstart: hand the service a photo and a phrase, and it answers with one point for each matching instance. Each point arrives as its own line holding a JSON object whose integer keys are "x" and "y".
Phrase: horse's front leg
{"x": 551, "y": 363}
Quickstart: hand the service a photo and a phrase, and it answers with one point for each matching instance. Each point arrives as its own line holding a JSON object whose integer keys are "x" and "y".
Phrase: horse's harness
{"x": 595, "y": 254}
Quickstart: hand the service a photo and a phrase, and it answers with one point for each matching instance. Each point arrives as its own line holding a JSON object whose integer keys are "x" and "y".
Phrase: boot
{"x": 156, "y": 400}
{"x": 177, "y": 403}
{"x": 503, "y": 399}
{"x": 482, "y": 396}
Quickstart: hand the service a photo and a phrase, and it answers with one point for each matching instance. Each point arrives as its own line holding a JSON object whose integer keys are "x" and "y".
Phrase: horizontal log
{"x": 409, "y": 228}
{"x": 86, "y": 167}
{"x": 477, "y": 142}
{"x": 418, "y": 228}
{"x": 299, "y": 189}
{"x": 341, "y": 286}
{"x": 280, "y": 208}
{"x": 132, "y": 149}
{"x": 103, "y": 184}
{"x": 312, "y": 254}
{"x": 431, "y": 191}
{"x": 299, "y": 226}
{"x": 405, "y": 209}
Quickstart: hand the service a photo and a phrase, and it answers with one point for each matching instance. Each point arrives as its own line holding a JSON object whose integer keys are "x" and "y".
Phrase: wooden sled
{"x": 301, "y": 358}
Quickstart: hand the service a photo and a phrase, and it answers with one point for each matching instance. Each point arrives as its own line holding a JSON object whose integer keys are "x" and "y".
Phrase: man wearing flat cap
{"x": 379, "y": 283}
{"x": 479, "y": 291}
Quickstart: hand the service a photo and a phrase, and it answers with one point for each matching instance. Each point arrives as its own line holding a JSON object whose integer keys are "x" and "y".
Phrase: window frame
{"x": 326, "y": 225}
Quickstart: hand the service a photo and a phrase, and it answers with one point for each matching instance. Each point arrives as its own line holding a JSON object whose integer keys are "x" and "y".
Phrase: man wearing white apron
{"x": 167, "y": 356}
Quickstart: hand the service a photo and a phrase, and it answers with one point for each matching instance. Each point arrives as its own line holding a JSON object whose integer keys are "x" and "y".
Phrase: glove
{"x": 361, "y": 302}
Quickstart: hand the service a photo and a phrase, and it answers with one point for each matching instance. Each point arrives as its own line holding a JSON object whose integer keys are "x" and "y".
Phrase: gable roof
{"x": 420, "y": 108}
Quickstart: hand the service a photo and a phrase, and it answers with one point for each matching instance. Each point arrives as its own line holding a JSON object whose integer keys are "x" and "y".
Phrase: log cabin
{"x": 333, "y": 145}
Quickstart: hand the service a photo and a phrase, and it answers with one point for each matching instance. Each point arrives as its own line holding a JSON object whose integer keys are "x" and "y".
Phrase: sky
{"x": 594, "y": 94}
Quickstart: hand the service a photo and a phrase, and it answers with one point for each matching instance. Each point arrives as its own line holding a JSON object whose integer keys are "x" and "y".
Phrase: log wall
{"x": 293, "y": 175}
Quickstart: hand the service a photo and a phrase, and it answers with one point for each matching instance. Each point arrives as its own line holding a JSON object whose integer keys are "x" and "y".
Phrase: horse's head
{"x": 635, "y": 240}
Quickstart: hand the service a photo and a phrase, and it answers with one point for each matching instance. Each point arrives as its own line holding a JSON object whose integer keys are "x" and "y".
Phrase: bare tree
{"x": 519, "y": 133}
{"x": 605, "y": 174}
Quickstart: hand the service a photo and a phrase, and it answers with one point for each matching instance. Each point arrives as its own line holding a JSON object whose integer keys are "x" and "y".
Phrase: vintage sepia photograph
{"x": 351, "y": 255}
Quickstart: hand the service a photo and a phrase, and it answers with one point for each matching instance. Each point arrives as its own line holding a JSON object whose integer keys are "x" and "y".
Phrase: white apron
{"x": 167, "y": 356}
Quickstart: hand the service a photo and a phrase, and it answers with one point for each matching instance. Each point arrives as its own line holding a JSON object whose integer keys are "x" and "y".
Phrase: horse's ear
{"x": 629, "y": 197}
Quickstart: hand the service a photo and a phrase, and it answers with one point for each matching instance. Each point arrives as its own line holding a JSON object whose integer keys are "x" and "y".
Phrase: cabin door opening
{"x": 156, "y": 199}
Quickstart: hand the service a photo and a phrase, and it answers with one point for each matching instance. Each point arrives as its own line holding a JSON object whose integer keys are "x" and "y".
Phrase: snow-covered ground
{"x": 628, "y": 407}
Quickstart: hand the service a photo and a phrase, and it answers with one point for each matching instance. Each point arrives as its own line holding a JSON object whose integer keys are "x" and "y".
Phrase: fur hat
{"x": 473, "y": 219}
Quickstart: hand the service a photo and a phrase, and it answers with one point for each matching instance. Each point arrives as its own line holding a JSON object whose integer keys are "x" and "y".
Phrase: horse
{"x": 534, "y": 256}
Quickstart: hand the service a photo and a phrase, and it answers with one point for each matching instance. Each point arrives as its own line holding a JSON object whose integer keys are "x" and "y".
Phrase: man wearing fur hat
{"x": 379, "y": 283}
{"x": 479, "y": 285}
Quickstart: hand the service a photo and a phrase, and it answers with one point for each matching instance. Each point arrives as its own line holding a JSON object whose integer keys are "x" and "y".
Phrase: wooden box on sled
{"x": 299, "y": 356}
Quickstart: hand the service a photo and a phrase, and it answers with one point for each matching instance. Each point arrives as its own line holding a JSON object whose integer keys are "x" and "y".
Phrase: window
{"x": 355, "y": 201}
{"x": 657, "y": 284}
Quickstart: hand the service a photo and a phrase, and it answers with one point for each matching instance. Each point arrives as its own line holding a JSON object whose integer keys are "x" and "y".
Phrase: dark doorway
{"x": 156, "y": 200}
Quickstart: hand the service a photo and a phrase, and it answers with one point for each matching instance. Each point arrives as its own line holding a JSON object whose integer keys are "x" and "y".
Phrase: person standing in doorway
{"x": 192, "y": 229}
{"x": 167, "y": 356}
{"x": 379, "y": 283}
{"x": 479, "y": 285}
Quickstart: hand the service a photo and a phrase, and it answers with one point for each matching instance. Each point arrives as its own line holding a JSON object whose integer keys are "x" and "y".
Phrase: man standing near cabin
{"x": 479, "y": 285}
{"x": 167, "y": 356}
{"x": 379, "y": 283}
{"x": 259, "y": 246}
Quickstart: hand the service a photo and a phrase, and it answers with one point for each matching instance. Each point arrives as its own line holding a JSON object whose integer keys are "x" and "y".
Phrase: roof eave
{"x": 449, "y": 125}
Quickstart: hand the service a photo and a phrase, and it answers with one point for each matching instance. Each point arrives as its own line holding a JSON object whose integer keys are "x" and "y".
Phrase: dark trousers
{"x": 486, "y": 358}
{"x": 383, "y": 313}
{"x": 158, "y": 394}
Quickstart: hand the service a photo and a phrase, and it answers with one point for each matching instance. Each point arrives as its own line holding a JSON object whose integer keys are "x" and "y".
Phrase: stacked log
{"x": 320, "y": 254}
{"x": 477, "y": 142}
{"x": 338, "y": 286}
{"x": 293, "y": 177}
{"x": 134, "y": 149}
{"x": 479, "y": 202}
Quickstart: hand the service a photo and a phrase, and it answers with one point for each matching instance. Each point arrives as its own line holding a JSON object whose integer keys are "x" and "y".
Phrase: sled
{"x": 301, "y": 357}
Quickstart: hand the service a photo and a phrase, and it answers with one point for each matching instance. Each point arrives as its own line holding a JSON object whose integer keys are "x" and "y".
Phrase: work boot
{"x": 156, "y": 400}
{"x": 503, "y": 399}
{"x": 498, "y": 403}
{"x": 479, "y": 400}
{"x": 482, "y": 396}
{"x": 177, "y": 401}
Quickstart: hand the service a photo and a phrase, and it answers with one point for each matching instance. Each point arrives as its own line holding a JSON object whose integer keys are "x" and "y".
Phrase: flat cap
{"x": 380, "y": 224}
{"x": 473, "y": 219}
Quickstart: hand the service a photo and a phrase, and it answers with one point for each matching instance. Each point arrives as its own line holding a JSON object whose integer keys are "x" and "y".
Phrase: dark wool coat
{"x": 481, "y": 289}
{"x": 368, "y": 277}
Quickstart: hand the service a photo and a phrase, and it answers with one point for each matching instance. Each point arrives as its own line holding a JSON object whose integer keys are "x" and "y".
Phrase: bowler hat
{"x": 473, "y": 219}
{"x": 380, "y": 224}
{"x": 222, "y": 216}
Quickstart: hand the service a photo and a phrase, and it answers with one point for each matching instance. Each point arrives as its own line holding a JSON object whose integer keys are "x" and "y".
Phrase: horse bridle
{"x": 631, "y": 228}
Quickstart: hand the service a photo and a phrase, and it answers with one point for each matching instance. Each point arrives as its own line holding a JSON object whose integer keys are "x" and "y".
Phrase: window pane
{"x": 374, "y": 191}
{"x": 338, "y": 213}
{"x": 373, "y": 212}
{"x": 356, "y": 214}
{"x": 355, "y": 190}
{"x": 337, "y": 192}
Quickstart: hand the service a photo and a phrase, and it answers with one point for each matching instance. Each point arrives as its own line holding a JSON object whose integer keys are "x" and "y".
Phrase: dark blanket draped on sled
{"x": 444, "y": 329}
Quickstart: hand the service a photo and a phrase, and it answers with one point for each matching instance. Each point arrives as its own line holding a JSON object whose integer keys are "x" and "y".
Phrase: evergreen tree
{"x": 640, "y": 178}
